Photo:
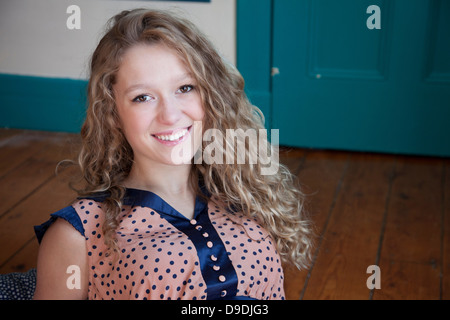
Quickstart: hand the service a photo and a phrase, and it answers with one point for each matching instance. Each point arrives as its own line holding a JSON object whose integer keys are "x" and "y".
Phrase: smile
{"x": 176, "y": 135}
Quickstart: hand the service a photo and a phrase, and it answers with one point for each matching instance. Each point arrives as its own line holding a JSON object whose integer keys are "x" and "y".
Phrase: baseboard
{"x": 40, "y": 103}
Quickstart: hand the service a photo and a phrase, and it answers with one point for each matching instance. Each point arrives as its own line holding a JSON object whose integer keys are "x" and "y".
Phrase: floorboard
{"x": 320, "y": 177}
{"x": 411, "y": 250}
{"x": 353, "y": 227}
{"x": 445, "y": 268}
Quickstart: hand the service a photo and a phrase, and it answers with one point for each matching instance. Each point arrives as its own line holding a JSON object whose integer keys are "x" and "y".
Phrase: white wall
{"x": 34, "y": 38}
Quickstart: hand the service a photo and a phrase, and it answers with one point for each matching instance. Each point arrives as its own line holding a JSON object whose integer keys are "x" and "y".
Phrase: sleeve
{"x": 68, "y": 213}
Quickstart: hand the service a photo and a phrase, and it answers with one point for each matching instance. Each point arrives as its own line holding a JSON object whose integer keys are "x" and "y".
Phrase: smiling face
{"x": 158, "y": 102}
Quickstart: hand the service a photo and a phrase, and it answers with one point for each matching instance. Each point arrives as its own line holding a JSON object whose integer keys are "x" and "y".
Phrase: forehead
{"x": 155, "y": 63}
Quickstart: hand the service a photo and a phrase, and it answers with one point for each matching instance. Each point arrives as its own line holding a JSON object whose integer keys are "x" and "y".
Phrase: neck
{"x": 164, "y": 180}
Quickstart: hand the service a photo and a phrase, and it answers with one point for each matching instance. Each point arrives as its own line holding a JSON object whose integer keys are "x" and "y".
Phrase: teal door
{"x": 340, "y": 81}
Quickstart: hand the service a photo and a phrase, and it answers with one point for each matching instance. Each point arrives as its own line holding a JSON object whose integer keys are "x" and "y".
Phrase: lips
{"x": 172, "y": 135}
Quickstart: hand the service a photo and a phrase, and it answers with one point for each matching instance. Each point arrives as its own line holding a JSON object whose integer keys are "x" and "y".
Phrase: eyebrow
{"x": 184, "y": 76}
{"x": 136, "y": 87}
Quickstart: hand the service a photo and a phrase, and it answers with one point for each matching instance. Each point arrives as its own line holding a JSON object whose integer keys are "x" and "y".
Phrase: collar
{"x": 148, "y": 199}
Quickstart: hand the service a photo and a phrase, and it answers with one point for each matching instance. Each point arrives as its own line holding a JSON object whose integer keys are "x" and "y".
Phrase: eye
{"x": 142, "y": 98}
{"x": 185, "y": 88}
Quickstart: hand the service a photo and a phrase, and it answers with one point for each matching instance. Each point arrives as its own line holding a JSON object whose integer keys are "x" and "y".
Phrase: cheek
{"x": 133, "y": 125}
{"x": 137, "y": 128}
{"x": 197, "y": 111}
{"x": 199, "y": 115}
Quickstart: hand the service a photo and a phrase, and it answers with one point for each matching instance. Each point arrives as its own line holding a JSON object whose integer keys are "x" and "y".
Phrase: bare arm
{"x": 62, "y": 250}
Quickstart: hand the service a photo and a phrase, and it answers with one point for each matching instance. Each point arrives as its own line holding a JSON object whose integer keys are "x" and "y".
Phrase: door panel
{"x": 344, "y": 86}
{"x": 437, "y": 46}
{"x": 359, "y": 55}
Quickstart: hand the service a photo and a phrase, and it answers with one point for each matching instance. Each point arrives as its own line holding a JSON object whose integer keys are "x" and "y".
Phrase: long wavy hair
{"x": 106, "y": 157}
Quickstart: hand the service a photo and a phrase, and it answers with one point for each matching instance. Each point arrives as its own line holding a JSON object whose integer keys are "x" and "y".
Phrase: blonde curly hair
{"x": 106, "y": 157}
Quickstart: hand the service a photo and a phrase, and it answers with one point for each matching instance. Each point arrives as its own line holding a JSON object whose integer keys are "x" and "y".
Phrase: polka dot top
{"x": 163, "y": 255}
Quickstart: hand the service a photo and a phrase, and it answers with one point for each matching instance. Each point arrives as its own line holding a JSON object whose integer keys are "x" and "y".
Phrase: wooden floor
{"x": 369, "y": 209}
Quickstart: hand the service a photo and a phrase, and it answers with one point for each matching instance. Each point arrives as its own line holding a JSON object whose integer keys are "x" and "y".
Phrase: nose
{"x": 169, "y": 111}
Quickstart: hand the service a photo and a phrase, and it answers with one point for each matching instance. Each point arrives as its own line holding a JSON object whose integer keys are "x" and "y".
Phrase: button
{"x": 206, "y": 235}
{"x": 216, "y": 268}
{"x": 213, "y": 258}
{"x": 209, "y": 244}
{"x": 222, "y": 278}
{"x": 223, "y": 293}
{"x": 193, "y": 222}
{"x": 198, "y": 228}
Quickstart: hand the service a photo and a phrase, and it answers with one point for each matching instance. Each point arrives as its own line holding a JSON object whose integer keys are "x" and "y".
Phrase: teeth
{"x": 173, "y": 137}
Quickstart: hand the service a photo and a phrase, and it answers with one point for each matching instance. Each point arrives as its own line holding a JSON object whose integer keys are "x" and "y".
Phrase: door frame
{"x": 254, "y": 22}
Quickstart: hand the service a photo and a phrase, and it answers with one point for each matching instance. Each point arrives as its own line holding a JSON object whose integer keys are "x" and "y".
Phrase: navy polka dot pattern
{"x": 18, "y": 285}
{"x": 163, "y": 255}
{"x": 256, "y": 261}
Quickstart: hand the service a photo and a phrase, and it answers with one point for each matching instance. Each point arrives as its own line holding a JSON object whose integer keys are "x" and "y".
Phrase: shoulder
{"x": 63, "y": 233}
{"x": 68, "y": 214}
{"x": 61, "y": 248}
{"x": 76, "y": 215}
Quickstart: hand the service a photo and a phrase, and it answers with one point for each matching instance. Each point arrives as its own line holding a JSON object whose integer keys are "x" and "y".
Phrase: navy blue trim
{"x": 143, "y": 198}
{"x": 195, "y": 230}
{"x": 68, "y": 213}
